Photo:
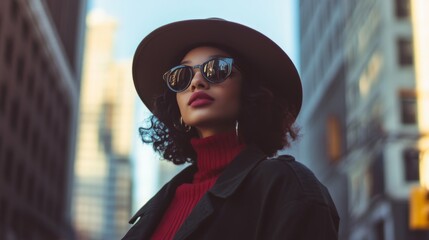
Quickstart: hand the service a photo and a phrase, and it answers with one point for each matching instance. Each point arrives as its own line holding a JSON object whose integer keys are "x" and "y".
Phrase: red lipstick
{"x": 200, "y": 99}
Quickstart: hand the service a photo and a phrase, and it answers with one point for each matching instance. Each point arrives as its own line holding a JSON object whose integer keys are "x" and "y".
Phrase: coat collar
{"x": 236, "y": 172}
{"x": 227, "y": 183}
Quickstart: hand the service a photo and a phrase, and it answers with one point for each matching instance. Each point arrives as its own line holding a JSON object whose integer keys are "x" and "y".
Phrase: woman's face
{"x": 210, "y": 108}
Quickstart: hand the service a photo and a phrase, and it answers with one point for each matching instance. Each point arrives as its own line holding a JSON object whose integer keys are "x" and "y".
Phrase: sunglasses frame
{"x": 228, "y": 60}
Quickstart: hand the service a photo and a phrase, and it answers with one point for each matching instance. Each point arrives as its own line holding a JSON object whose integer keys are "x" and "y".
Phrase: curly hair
{"x": 265, "y": 120}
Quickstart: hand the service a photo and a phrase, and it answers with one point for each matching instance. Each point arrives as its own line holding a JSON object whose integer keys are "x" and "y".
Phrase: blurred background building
{"x": 41, "y": 44}
{"x": 103, "y": 180}
{"x": 360, "y": 118}
{"x": 323, "y": 115}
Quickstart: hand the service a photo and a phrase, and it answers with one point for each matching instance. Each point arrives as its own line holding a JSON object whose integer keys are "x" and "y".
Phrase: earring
{"x": 187, "y": 127}
{"x": 236, "y": 128}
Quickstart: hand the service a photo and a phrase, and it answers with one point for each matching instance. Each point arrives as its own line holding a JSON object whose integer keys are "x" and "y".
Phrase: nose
{"x": 198, "y": 82}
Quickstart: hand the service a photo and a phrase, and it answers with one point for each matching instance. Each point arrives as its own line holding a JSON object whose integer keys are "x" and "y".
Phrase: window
{"x": 3, "y": 210}
{"x": 14, "y": 114}
{"x": 379, "y": 230}
{"x": 8, "y": 166}
{"x": 408, "y": 107}
{"x": 411, "y": 157}
{"x": 30, "y": 189}
{"x": 402, "y": 8}
{"x": 25, "y": 29}
{"x": 25, "y": 129}
{"x": 1, "y": 24}
{"x": 20, "y": 68}
{"x": 405, "y": 52}
{"x": 8, "y": 53}
{"x": 19, "y": 175}
{"x": 3, "y": 98}
{"x": 376, "y": 172}
{"x": 30, "y": 85}
{"x": 333, "y": 135}
{"x": 14, "y": 9}
{"x": 35, "y": 49}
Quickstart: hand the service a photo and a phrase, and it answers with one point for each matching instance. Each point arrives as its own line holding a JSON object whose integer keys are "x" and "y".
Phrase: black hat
{"x": 165, "y": 47}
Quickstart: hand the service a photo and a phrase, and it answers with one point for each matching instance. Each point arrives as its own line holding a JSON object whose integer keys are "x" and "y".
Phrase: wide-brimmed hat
{"x": 165, "y": 47}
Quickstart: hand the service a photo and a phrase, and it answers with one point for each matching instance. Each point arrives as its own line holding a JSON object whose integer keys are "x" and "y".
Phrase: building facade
{"x": 322, "y": 145}
{"x": 362, "y": 121}
{"x": 40, "y": 67}
{"x": 102, "y": 189}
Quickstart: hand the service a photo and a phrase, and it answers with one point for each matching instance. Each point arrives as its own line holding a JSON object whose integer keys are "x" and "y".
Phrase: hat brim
{"x": 164, "y": 47}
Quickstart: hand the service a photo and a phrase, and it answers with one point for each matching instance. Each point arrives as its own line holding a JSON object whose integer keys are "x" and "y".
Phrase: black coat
{"x": 253, "y": 198}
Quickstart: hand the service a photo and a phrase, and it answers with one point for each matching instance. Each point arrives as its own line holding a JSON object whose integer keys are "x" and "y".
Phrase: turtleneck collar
{"x": 214, "y": 153}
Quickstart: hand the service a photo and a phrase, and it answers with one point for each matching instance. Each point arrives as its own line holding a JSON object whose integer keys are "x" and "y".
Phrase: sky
{"x": 137, "y": 18}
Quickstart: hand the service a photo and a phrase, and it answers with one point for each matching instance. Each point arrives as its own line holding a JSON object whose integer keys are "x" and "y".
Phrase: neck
{"x": 214, "y": 153}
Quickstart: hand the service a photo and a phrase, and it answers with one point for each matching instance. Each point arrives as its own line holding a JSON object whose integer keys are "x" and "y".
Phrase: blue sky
{"x": 274, "y": 18}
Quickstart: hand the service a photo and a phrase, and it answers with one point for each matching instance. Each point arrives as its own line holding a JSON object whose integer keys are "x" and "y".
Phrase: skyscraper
{"x": 40, "y": 64}
{"x": 102, "y": 190}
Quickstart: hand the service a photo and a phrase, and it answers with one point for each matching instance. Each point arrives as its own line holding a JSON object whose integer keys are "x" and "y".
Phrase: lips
{"x": 199, "y": 99}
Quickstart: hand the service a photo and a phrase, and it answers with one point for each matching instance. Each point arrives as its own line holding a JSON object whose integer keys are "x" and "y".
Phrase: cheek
{"x": 233, "y": 98}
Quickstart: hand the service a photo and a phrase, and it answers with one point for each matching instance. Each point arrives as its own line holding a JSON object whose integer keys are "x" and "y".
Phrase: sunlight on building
{"x": 103, "y": 176}
{"x": 420, "y": 18}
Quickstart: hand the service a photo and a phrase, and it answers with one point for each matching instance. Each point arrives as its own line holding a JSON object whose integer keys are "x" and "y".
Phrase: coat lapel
{"x": 233, "y": 176}
{"x": 201, "y": 211}
{"x": 151, "y": 213}
{"x": 227, "y": 183}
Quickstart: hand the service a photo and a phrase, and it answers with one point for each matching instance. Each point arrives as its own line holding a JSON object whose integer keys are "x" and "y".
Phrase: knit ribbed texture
{"x": 214, "y": 153}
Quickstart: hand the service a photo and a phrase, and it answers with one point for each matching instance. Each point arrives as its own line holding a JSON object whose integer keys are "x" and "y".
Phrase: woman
{"x": 224, "y": 98}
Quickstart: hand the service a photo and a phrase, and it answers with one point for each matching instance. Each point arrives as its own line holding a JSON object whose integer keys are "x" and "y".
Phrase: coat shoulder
{"x": 291, "y": 174}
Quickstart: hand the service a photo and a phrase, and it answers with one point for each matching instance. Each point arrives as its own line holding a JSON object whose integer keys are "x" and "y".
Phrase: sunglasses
{"x": 215, "y": 70}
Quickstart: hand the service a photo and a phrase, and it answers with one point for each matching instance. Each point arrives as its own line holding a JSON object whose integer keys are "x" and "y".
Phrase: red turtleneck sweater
{"x": 214, "y": 153}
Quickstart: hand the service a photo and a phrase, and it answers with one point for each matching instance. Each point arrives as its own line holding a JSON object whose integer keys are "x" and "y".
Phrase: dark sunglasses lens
{"x": 179, "y": 78}
{"x": 216, "y": 70}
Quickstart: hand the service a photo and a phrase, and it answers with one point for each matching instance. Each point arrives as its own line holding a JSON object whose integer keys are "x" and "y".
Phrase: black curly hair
{"x": 265, "y": 120}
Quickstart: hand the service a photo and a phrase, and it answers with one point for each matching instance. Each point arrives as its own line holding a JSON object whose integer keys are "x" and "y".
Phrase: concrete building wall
{"x": 39, "y": 91}
{"x": 379, "y": 133}
{"x": 323, "y": 117}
